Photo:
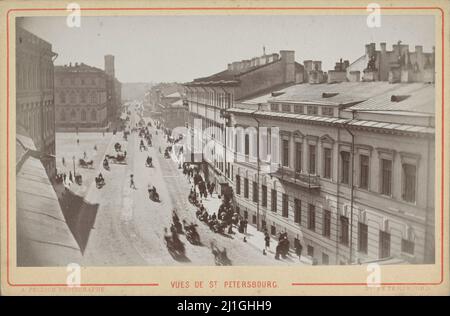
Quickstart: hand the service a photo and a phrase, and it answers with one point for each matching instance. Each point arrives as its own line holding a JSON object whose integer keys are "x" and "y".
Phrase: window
{"x": 62, "y": 97}
{"x": 311, "y": 110}
{"x": 325, "y": 259}
{"x": 264, "y": 195}
{"x": 73, "y": 115}
{"x": 247, "y": 144}
{"x": 73, "y": 98}
{"x": 62, "y": 115}
{"x": 255, "y": 192}
{"x": 386, "y": 174}
{"x": 93, "y": 115}
{"x": 83, "y": 97}
{"x": 297, "y": 211}
{"x": 327, "y": 111}
{"x": 83, "y": 115}
{"x": 344, "y": 230}
{"x": 362, "y": 237}
{"x": 310, "y": 251}
{"x": 285, "y": 153}
{"x": 246, "y": 188}
{"x": 345, "y": 161}
{"x": 93, "y": 98}
{"x": 312, "y": 159}
{"x": 274, "y": 200}
{"x": 238, "y": 184}
{"x": 298, "y": 109}
{"x": 409, "y": 183}
{"x": 273, "y": 230}
{"x": 385, "y": 244}
{"x": 327, "y": 163}
{"x": 326, "y": 223}
{"x": 407, "y": 246}
{"x": 298, "y": 157}
{"x": 286, "y": 107}
{"x": 363, "y": 172}
{"x": 274, "y": 107}
{"x": 285, "y": 210}
{"x": 311, "y": 217}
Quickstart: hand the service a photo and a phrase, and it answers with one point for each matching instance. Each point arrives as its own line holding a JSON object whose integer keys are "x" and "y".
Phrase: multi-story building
{"x": 81, "y": 97}
{"x": 345, "y": 179}
{"x": 209, "y": 97}
{"x": 173, "y": 111}
{"x": 35, "y": 108}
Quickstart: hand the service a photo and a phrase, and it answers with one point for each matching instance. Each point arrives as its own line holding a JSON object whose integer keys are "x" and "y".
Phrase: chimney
{"x": 288, "y": 63}
{"x": 383, "y": 48}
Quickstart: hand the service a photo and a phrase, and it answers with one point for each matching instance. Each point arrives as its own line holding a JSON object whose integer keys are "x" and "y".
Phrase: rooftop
{"x": 77, "y": 68}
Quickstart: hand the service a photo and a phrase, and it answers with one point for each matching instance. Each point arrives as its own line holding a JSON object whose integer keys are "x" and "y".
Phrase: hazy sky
{"x": 181, "y": 48}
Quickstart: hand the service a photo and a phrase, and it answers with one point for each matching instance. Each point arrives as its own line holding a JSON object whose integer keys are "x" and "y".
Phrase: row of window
{"x": 409, "y": 171}
{"x": 217, "y": 99}
{"x": 33, "y": 77}
{"x": 343, "y": 231}
{"x": 37, "y": 122}
{"x": 73, "y": 115}
{"x": 300, "y": 109}
{"x": 82, "y": 97}
{"x": 78, "y": 81}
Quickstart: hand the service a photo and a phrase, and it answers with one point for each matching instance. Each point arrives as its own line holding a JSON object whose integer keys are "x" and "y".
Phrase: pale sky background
{"x": 182, "y": 48}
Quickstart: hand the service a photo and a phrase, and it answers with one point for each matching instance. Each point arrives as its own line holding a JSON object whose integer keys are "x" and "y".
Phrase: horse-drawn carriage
{"x": 119, "y": 158}
{"x": 86, "y": 163}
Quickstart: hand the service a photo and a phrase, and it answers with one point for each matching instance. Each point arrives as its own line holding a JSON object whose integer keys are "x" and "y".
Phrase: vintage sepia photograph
{"x": 225, "y": 140}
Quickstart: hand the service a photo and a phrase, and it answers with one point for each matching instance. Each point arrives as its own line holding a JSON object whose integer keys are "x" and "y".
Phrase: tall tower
{"x": 109, "y": 65}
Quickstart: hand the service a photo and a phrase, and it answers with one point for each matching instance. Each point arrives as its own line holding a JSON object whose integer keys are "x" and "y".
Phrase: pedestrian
{"x": 298, "y": 247}
{"x": 78, "y": 141}
{"x": 132, "y": 185}
{"x": 84, "y": 155}
{"x": 64, "y": 177}
{"x": 245, "y": 225}
{"x": 267, "y": 241}
{"x": 70, "y": 176}
{"x": 63, "y": 161}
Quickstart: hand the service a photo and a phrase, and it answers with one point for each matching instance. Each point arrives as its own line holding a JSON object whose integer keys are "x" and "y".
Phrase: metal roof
{"x": 337, "y": 121}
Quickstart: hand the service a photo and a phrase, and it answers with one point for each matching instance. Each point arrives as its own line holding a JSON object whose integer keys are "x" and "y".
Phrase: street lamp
{"x": 73, "y": 159}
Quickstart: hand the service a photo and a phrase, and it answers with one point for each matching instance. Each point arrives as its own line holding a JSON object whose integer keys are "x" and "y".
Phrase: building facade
{"x": 173, "y": 111}
{"x": 81, "y": 97}
{"x": 35, "y": 107}
{"x": 209, "y": 97}
{"x": 346, "y": 177}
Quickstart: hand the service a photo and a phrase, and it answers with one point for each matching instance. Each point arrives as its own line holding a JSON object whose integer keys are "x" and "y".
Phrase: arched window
{"x": 83, "y": 97}
{"x": 93, "y": 115}
{"x": 73, "y": 115}
{"x": 83, "y": 115}
{"x": 93, "y": 98}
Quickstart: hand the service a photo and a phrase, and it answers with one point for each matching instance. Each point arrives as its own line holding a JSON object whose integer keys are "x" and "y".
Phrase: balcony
{"x": 304, "y": 180}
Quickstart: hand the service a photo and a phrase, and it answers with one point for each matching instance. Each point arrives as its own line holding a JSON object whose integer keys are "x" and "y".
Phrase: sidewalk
{"x": 254, "y": 237}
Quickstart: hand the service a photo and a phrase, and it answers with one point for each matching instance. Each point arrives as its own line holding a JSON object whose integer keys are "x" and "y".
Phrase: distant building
{"x": 397, "y": 65}
{"x": 209, "y": 97}
{"x": 173, "y": 111}
{"x": 81, "y": 97}
{"x": 35, "y": 94}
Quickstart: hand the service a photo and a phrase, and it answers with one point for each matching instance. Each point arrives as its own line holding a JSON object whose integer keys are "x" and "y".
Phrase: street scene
{"x": 267, "y": 150}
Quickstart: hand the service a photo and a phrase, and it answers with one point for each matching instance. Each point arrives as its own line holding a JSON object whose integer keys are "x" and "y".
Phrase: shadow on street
{"x": 79, "y": 215}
